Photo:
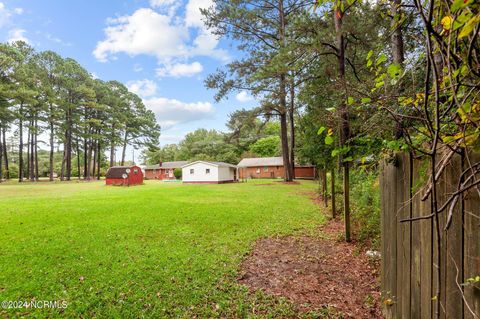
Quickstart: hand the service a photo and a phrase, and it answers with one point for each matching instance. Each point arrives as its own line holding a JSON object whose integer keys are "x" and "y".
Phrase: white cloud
{"x": 193, "y": 16}
{"x": 143, "y": 88}
{"x": 144, "y": 32}
{"x": 162, "y": 3}
{"x": 173, "y": 39}
{"x": 243, "y": 97}
{"x": 171, "y": 112}
{"x": 180, "y": 70}
{"x": 6, "y": 14}
{"x": 137, "y": 67}
{"x": 17, "y": 35}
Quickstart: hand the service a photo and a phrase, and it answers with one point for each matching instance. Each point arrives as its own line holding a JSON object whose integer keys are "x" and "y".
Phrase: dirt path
{"x": 321, "y": 274}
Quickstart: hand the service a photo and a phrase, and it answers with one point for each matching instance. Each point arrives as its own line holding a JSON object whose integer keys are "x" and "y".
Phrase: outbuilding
{"x": 271, "y": 167}
{"x": 203, "y": 172}
{"x": 124, "y": 176}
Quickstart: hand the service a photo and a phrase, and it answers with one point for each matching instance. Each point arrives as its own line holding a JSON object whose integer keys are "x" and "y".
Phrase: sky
{"x": 159, "y": 48}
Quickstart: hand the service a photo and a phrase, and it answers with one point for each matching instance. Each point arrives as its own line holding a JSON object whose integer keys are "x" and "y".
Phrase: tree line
{"x": 247, "y": 136}
{"x": 43, "y": 94}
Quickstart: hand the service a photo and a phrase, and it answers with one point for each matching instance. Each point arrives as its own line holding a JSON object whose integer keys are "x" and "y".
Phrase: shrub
{"x": 177, "y": 173}
{"x": 365, "y": 202}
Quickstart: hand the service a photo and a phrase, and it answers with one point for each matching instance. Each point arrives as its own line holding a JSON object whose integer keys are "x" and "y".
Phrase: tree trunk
{"x": 1, "y": 156}
{"x": 124, "y": 147}
{"x": 324, "y": 187}
{"x": 284, "y": 141}
{"x": 98, "y": 160}
{"x": 52, "y": 151}
{"x": 5, "y": 154}
{"x": 78, "y": 159}
{"x": 332, "y": 187}
{"x": 29, "y": 176}
{"x": 292, "y": 127}
{"x": 283, "y": 99}
{"x": 36, "y": 150}
{"x": 20, "y": 145}
{"x": 85, "y": 157}
{"x": 345, "y": 122}
{"x": 88, "y": 168}
{"x": 112, "y": 149}
{"x": 94, "y": 165}
{"x": 69, "y": 145}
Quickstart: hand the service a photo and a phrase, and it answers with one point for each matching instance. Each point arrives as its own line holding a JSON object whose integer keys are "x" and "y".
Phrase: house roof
{"x": 156, "y": 166}
{"x": 261, "y": 161}
{"x": 218, "y": 164}
{"x": 177, "y": 164}
{"x": 265, "y": 161}
{"x": 117, "y": 171}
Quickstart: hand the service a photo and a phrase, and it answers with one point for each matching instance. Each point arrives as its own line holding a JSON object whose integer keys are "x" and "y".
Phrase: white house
{"x": 202, "y": 172}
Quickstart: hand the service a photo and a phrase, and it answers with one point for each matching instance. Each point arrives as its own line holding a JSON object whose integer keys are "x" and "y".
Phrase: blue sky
{"x": 158, "y": 48}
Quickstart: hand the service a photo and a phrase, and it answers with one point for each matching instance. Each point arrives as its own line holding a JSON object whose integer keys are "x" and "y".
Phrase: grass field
{"x": 152, "y": 251}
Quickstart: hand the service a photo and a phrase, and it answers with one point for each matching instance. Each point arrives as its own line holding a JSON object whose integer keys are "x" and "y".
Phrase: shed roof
{"x": 117, "y": 171}
{"x": 218, "y": 164}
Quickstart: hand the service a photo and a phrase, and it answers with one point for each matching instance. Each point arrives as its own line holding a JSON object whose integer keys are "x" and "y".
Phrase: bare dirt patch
{"x": 315, "y": 273}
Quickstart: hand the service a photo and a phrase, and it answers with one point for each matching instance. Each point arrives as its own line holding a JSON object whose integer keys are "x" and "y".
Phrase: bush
{"x": 177, "y": 173}
{"x": 365, "y": 205}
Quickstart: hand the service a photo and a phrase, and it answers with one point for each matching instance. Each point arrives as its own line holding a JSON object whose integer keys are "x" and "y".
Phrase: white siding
{"x": 200, "y": 173}
{"x": 226, "y": 173}
{"x": 217, "y": 173}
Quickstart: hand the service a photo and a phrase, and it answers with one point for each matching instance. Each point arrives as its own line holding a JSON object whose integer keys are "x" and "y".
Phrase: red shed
{"x": 124, "y": 176}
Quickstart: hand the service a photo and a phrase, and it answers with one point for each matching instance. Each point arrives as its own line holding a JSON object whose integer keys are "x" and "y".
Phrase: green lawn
{"x": 151, "y": 251}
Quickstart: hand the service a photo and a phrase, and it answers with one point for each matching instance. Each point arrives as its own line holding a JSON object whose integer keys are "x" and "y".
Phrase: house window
{"x": 265, "y": 169}
{"x": 207, "y": 171}
{"x": 192, "y": 171}
{"x": 258, "y": 170}
{"x": 135, "y": 171}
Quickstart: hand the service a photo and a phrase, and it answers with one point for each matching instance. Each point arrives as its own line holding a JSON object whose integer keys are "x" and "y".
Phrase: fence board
{"x": 454, "y": 248}
{"x": 472, "y": 249}
{"x": 409, "y": 250}
{"x": 403, "y": 236}
{"x": 389, "y": 233}
{"x": 416, "y": 235}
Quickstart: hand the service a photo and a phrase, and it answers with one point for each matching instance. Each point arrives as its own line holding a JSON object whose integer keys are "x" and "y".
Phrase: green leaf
{"x": 468, "y": 27}
{"x": 348, "y": 159}
{"x": 335, "y": 152}
{"x": 366, "y": 100}
{"x": 328, "y": 140}
{"x": 369, "y": 55}
{"x": 394, "y": 70}
{"x": 331, "y": 109}
{"x": 321, "y": 130}
{"x": 382, "y": 58}
{"x": 369, "y": 63}
{"x": 350, "y": 100}
{"x": 457, "y": 4}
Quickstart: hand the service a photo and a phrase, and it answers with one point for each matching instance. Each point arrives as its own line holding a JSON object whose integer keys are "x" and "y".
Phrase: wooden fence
{"x": 409, "y": 249}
